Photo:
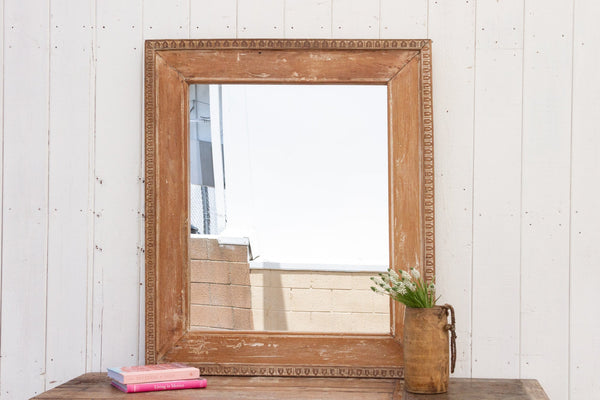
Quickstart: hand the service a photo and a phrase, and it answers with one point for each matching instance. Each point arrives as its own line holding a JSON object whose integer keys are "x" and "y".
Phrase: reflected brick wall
{"x": 220, "y": 286}
{"x": 226, "y": 294}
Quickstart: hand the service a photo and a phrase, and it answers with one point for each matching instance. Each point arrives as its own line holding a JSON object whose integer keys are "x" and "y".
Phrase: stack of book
{"x": 149, "y": 378}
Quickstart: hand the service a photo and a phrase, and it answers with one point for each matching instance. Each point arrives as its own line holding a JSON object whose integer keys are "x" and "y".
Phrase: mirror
{"x": 172, "y": 68}
{"x": 298, "y": 173}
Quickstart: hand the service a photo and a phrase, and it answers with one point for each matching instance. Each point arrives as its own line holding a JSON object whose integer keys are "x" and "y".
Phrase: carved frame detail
{"x": 176, "y": 342}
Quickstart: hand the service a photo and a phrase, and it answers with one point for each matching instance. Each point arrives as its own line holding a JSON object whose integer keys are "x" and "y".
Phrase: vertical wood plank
{"x": 119, "y": 104}
{"x": 25, "y": 198}
{"x": 71, "y": 57}
{"x": 93, "y": 334}
{"x": 2, "y": 27}
{"x": 452, "y": 29}
{"x": 260, "y": 18}
{"x": 585, "y": 213}
{"x": 406, "y": 19}
{"x": 213, "y": 19}
{"x": 355, "y": 19}
{"x": 547, "y": 80}
{"x": 497, "y": 189}
{"x": 308, "y": 19}
{"x": 166, "y": 20}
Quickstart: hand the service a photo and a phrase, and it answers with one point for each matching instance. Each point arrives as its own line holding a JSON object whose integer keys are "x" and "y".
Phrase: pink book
{"x": 153, "y": 373}
{"x": 156, "y": 386}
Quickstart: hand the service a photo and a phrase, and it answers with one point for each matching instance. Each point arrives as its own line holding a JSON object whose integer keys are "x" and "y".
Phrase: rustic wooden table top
{"x": 97, "y": 386}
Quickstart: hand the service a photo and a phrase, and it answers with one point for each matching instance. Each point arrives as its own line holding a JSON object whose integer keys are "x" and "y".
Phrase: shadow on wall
{"x": 275, "y": 316}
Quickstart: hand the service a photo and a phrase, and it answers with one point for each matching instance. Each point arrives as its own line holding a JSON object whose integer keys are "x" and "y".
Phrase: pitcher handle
{"x": 452, "y": 328}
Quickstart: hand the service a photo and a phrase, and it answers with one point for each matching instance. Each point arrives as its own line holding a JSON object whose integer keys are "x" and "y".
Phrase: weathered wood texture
{"x": 290, "y": 66}
{"x": 170, "y": 140}
{"x": 404, "y": 151}
{"x": 403, "y": 65}
{"x": 97, "y": 386}
{"x": 486, "y": 389}
{"x": 289, "y": 354}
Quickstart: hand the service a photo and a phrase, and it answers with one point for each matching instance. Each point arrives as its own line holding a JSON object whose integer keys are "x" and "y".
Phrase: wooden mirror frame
{"x": 170, "y": 67}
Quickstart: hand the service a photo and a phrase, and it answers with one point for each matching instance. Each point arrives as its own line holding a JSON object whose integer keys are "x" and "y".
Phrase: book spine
{"x": 161, "y": 376}
{"x": 159, "y": 386}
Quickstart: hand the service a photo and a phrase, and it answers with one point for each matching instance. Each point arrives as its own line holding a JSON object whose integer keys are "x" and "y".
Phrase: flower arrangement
{"x": 406, "y": 288}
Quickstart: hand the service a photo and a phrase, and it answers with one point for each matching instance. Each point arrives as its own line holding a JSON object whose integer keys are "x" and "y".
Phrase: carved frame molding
{"x": 181, "y": 337}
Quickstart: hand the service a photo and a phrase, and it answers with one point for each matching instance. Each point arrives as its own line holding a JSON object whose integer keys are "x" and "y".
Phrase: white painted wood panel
{"x": 547, "y": 80}
{"x": 71, "y": 57}
{"x": 355, "y": 19}
{"x": 93, "y": 333}
{"x": 260, "y": 18}
{"x": 585, "y": 214}
{"x": 308, "y": 19}
{"x": 166, "y": 20}
{"x": 118, "y": 160}
{"x": 497, "y": 189}
{"x": 1, "y": 165}
{"x": 213, "y": 19}
{"x": 403, "y": 19}
{"x": 451, "y": 26}
{"x": 25, "y": 199}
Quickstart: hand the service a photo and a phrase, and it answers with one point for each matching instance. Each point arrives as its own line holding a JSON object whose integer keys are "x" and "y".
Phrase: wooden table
{"x": 97, "y": 386}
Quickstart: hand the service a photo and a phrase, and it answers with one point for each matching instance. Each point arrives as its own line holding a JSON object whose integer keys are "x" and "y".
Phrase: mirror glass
{"x": 296, "y": 176}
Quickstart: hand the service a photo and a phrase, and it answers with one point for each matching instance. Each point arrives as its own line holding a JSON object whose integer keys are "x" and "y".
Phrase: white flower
{"x": 405, "y": 275}
{"x": 411, "y": 286}
{"x": 384, "y": 278}
{"x": 378, "y": 290}
{"x": 431, "y": 287}
{"x": 415, "y": 273}
{"x": 401, "y": 288}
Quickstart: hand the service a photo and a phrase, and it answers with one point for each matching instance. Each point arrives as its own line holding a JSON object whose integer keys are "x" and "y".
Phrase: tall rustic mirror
{"x": 280, "y": 175}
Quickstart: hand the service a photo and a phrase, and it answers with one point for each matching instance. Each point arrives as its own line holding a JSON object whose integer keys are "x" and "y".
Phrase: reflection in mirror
{"x": 288, "y": 207}
{"x": 207, "y": 214}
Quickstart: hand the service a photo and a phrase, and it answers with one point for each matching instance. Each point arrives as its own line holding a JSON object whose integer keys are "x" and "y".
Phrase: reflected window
{"x": 207, "y": 215}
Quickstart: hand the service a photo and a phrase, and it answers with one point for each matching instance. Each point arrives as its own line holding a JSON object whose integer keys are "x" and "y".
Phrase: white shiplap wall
{"x": 516, "y": 100}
